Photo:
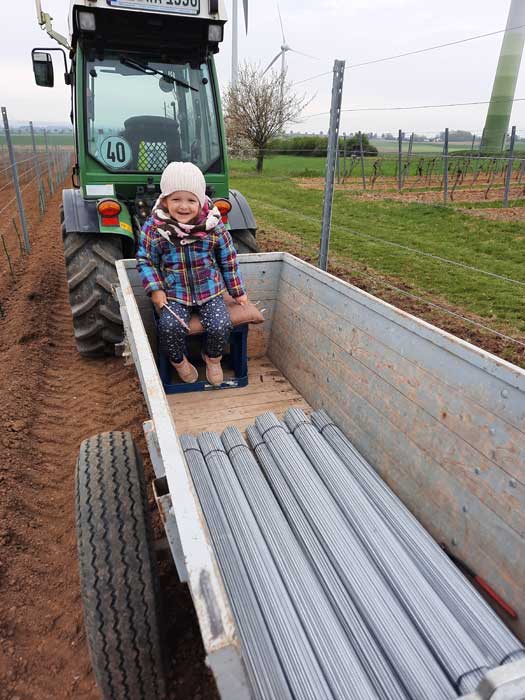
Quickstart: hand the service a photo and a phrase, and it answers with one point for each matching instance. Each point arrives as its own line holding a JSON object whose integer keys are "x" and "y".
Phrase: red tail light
{"x": 109, "y": 210}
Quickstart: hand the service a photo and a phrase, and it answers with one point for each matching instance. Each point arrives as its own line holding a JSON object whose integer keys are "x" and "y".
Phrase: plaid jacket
{"x": 191, "y": 274}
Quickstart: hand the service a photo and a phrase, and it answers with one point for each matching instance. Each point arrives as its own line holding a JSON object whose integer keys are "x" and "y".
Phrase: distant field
{"x": 52, "y": 139}
{"x": 419, "y": 147}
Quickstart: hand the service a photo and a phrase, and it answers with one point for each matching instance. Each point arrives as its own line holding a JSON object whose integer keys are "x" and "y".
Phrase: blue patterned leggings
{"x": 214, "y": 317}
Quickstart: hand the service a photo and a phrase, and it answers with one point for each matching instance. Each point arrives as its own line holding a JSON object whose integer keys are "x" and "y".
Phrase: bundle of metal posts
{"x": 336, "y": 589}
{"x": 475, "y": 615}
{"x": 304, "y": 675}
{"x": 262, "y": 663}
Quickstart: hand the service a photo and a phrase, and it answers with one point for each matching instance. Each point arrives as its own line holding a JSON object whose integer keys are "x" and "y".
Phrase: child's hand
{"x": 159, "y": 299}
{"x": 242, "y": 300}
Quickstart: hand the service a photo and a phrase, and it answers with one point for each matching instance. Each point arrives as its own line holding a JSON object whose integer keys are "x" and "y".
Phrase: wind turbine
{"x": 284, "y": 48}
{"x": 235, "y": 36}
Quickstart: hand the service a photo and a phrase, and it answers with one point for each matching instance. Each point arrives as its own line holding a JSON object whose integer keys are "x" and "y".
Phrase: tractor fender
{"x": 240, "y": 217}
{"x": 81, "y": 216}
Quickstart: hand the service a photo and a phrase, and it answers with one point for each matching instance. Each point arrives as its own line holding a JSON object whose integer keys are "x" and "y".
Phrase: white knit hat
{"x": 183, "y": 177}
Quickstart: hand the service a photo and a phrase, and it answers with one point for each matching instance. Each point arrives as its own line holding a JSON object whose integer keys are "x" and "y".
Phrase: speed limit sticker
{"x": 115, "y": 152}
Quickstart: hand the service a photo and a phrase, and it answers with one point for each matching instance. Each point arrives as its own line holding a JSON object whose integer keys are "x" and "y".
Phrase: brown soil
{"x": 50, "y": 400}
{"x": 413, "y": 192}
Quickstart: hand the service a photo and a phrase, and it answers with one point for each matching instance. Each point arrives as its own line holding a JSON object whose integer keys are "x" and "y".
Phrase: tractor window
{"x": 142, "y": 114}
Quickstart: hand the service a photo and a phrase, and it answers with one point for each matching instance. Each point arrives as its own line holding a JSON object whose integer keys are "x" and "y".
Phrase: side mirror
{"x": 43, "y": 69}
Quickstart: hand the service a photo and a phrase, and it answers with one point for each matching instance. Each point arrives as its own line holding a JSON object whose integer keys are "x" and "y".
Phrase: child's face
{"x": 182, "y": 206}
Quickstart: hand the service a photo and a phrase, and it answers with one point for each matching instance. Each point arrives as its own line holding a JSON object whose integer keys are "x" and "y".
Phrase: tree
{"x": 258, "y": 106}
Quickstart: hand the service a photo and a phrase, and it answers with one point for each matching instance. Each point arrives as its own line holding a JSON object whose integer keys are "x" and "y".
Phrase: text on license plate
{"x": 187, "y": 7}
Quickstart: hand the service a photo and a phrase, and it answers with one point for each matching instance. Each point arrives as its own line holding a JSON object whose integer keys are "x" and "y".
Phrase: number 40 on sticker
{"x": 115, "y": 152}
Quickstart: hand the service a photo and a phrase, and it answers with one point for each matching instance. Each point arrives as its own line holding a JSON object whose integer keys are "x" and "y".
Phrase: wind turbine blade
{"x": 245, "y": 7}
{"x": 271, "y": 64}
{"x": 303, "y": 54}
{"x": 281, "y": 21}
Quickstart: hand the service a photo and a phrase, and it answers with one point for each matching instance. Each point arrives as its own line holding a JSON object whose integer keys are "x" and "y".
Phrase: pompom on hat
{"x": 183, "y": 177}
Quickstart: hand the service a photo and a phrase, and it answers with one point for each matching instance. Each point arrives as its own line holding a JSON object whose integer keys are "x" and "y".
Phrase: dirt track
{"x": 50, "y": 400}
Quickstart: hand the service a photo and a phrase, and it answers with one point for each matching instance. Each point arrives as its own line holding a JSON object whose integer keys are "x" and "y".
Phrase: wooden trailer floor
{"x": 214, "y": 410}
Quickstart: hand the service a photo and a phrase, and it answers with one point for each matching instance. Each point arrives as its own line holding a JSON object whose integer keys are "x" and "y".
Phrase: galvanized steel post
{"x": 14, "y": 171}
{"x": 399, "y": 159}
{"x": 445, "y": 166}
{"x": 333, "y": 138}
{"x": 362, "y": 157}
{"x": 49, "y": 170}
{"x": 508, "y": 175}
{"x": 38, "y": 171}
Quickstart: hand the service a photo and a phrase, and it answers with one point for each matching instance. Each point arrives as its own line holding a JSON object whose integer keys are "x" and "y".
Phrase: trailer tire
{"x": 118, "y": 575}
{"x": 244, "y": 241}
{"x": 91, "y": 276}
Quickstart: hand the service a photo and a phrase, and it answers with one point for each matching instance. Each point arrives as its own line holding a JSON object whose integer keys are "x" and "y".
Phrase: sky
{"x": 350, "y": 30}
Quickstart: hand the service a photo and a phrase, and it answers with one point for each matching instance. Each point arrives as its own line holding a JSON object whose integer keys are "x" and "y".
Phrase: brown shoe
{"x": 186, "y": 371}
{"x": 213, "y": 370}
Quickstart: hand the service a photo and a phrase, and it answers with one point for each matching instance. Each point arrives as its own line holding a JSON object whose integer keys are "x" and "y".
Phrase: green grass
{"x": 52, "y": 139}
{"x": 496, "y": 247}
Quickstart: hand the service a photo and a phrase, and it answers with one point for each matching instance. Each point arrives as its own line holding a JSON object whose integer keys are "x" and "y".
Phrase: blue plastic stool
{"x": 237, "y": 358}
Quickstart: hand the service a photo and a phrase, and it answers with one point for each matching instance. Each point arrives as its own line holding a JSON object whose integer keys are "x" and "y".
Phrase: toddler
{"x": 187, "y": 261}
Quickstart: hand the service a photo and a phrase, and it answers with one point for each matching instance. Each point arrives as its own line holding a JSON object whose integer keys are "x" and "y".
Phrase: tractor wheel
{"x": 244, "y": 241}
{"x": 91, "y": 275}
{"x": 118, "y": 576}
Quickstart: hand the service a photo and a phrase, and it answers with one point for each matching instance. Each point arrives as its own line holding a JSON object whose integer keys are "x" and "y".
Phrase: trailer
{"x": 280, "y": 562}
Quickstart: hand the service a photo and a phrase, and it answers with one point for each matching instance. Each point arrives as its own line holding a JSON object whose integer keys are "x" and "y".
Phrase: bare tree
{"x": 258, "y": 106}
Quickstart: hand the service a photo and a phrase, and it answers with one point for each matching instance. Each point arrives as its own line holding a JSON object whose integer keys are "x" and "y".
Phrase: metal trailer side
{"x": 441, "y": 420}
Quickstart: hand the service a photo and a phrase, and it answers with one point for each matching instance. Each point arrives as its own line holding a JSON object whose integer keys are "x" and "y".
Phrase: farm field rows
{"x": 376, "y": 243}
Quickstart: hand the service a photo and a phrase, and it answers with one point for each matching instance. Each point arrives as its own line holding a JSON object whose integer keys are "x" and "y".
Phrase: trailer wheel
{"x": 118, "y": 576}
{"x": 244, "y": 241}
{"x": 91, "y": 275}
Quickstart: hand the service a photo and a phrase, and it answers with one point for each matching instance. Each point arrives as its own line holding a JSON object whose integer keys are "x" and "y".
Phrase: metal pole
{"x": 235, "y": 42}
{"x": 338, "y": 166}
{"x": 333, "y": 135}
{"x": 361, "y": 155}
{"x": 409, "y": 155}
{"x": 399, "y": 160}
{"x": 49, "y": 171}
{"x": 508, "y": 176}
{"x": 445, "y": 174}
{"x": 14, "y": 170}
{"x": 38, "y": 171}
{"x": 344, "y": 156}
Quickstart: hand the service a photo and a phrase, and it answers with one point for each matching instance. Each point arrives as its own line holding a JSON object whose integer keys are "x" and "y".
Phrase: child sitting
{"x": 186, "y": 260}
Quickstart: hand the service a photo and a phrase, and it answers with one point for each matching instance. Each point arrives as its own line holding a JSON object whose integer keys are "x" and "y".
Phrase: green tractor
{"x": 144, "y": 93}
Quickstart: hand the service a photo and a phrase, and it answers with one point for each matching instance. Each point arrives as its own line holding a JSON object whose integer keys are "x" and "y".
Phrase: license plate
{"x": 183, "y": 7}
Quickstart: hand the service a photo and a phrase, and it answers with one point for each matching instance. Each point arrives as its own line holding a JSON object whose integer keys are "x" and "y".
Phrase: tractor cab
{"x": 144, "y": 93}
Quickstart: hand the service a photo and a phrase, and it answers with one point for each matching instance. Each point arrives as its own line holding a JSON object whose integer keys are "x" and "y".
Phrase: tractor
{"x": 144, "y": 92}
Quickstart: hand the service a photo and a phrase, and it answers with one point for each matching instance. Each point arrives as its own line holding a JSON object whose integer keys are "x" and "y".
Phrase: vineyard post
{"x": 38, "y": 171}
{"x": 344, "y": 155}
{"x": 333, "y": 138}
{"x": 14, "y": 171}
{"x": 445, "y": 172}
{"x": 362, "y": 157}
{"x": 399, "y": 159}
{"x": 49, "y": 171}
{"x": 508, "y": 175}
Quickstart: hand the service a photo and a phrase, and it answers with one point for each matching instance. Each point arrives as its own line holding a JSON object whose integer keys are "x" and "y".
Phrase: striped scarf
{"x": 182, "y": 234}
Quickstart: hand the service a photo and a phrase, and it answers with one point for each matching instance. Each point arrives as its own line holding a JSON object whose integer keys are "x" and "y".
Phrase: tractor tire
{"x": 118, "y": 575}
{"x": 244, "y": 241}
{"x": 91, "y": 276}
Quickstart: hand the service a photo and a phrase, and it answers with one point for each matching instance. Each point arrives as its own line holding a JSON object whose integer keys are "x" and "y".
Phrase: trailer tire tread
{"x": 117, "y": 563}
